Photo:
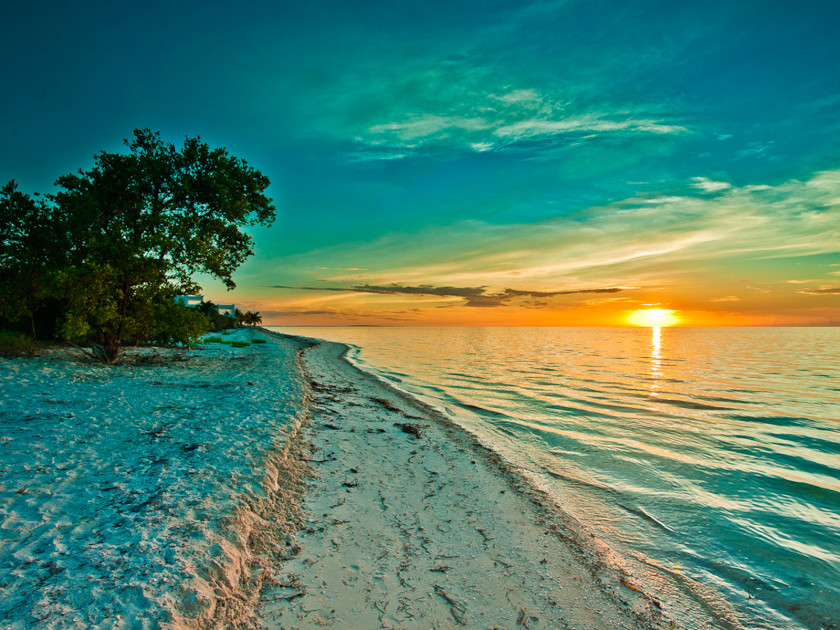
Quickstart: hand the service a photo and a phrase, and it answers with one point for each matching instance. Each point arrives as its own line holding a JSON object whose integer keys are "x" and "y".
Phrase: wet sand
{"x": 410, "y": 523}
{"x": 228, "y": 491}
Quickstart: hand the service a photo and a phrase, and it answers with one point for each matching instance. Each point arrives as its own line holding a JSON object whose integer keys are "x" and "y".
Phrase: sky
{"x": 467, "y": 163}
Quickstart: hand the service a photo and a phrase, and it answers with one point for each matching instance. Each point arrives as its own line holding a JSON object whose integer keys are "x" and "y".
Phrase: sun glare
{"x": 653, "y": 317}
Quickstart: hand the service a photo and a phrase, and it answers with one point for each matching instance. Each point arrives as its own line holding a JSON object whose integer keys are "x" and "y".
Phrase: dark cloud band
{"x": 474, "y": 296}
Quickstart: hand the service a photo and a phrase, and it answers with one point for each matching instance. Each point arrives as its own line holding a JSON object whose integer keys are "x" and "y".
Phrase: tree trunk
{"x": 111, "y": 348}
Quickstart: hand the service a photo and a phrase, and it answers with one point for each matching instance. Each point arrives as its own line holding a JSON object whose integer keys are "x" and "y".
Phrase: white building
{"x": 228, "y": 310}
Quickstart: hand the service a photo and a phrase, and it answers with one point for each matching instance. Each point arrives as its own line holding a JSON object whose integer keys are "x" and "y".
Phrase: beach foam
{"x": 411, "y": 523}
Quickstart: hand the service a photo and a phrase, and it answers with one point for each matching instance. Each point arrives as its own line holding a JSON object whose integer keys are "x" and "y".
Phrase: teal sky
{"x": 474, "y": 162}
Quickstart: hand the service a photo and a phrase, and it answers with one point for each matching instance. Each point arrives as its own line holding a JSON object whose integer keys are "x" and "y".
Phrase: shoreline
{"x": 380, "y": 493}
{"x": 278, "y": 485}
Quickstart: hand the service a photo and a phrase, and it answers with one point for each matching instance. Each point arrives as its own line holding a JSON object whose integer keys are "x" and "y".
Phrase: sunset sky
{"x": 473, "y": 163}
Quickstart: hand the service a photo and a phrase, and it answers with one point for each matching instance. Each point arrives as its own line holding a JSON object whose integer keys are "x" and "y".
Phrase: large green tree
{"x": 134, "y": 230}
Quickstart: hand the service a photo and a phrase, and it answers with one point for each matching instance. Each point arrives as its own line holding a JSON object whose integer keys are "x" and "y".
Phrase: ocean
{"x": 707, "y": 459}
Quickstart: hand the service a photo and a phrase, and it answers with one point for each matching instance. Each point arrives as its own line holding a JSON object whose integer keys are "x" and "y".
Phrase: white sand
{"x": 139, "y": 496}
{"x": 169, "y": 495}
{"x": 432, "y": 531}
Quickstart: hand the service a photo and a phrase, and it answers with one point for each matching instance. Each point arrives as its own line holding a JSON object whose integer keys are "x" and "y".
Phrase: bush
{"x": 213, "y": 339}
{"x": 259, "y": 341}
{"x": 240, "y": 344}
{"x": 178, "y": 324}
{"x": 14, "y": 344}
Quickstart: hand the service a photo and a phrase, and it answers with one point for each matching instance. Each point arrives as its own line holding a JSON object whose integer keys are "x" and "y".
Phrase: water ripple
{"x": 712, "y": 450}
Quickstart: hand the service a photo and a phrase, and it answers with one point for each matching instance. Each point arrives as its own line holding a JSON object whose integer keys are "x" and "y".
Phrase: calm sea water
{"x": 709, "y": 459}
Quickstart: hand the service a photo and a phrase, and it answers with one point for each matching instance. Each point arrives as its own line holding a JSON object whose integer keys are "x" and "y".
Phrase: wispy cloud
{"x": 348, "y": 315}
{"x": 823, "y": 291}
{"x": 688, "y": 239}
{"x": 464, "y": 104}
{"x": 535, "y": 127}
{"x": 710, "y": 185}
{"x": 502, "y": 124}
{"x": 473, "y": 296}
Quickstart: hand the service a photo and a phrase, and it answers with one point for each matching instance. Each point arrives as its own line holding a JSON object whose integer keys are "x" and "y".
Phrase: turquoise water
{"x": 708, "y": 459}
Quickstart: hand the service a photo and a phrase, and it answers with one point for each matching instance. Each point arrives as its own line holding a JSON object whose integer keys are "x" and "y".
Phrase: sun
{"x": 653, "y": 317}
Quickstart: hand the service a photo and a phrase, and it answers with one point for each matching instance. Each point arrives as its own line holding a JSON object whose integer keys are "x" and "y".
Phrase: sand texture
{"x": 275, "y": 486}
{"x": 412, "y": 524}
{"x": 155, "y": 494}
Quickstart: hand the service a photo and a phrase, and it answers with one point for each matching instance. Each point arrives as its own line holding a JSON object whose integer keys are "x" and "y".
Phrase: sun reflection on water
{"x": 655, "y": 360}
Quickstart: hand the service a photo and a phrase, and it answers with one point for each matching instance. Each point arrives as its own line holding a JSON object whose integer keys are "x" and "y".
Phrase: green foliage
{"x": 251, "y": 318}
{"x": 177, "y": 324}
{"x": 116, "y": 243}
{"x": 15, "y": 344}
{"x": 240, "y": 344}
{"x": 213, "y": 339}
{"x": 259, "y": 341}
{"x": 32, "y": 244}
{"x": 220, "y": 323}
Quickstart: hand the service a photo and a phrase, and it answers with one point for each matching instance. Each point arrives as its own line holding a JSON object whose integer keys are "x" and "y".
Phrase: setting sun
{"x": 653, "y": 317}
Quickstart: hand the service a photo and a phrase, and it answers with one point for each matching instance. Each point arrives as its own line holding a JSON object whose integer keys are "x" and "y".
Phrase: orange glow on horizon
{"x": 653, "y": 317}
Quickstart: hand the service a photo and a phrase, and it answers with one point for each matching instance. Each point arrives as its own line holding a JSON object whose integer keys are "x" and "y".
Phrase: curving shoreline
{"x": 281, "y": 486}
{"x": 411, "y": 522}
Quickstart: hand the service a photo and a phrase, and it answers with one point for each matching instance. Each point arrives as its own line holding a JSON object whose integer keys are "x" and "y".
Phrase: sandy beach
{"x": 153, "y": 494}
{"x": 410, "y": 523}
{"x": 274, "y": 486}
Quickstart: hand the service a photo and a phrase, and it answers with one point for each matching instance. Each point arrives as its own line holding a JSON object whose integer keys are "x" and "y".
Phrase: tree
{"x": 251, "y": 319}
{"x": 137, "y": 227}
{"x": 31, "y": 245}
{"x": 217, "y": 320}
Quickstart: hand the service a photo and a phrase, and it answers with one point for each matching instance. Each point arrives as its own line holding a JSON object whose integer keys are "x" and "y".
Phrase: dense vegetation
{"x": 99, "y": 261}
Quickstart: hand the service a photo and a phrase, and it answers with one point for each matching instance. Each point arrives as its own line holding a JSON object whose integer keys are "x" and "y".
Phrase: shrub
{"x": 14, "y": 344}
{"x": 259, "y": 341}
{"x": 240, "y": 344}
{"x": 178, "y": 324}
{"x": 213, "y": 339}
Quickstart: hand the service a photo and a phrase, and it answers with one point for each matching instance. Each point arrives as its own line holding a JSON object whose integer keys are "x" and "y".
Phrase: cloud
{"x": 332, "y": 313}
{"x": 531, "y": 128}
{"x": 428, "y": 105}
{"x": 824, "y": 291}
{"x": 299, "y": 312}
{"x": 728, "y": 298}
{"x": 709, "y": 185}
{"x": 473, "y": 296}
{"x": 496, "y": 129}
{"x": 426, "y": 126}
{"x": 629, "y": 241}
